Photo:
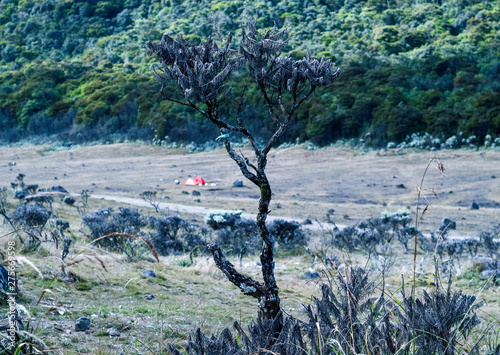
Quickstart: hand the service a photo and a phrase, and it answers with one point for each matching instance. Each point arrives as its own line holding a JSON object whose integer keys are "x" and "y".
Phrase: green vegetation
{"x": 79, "y": 69}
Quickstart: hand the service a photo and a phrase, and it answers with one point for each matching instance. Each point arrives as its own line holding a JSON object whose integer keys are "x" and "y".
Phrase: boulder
{"x": 59, "y": 188}
{"x": 311, "y": 274}
{"x": 82, "y": 324}
{"x": 448, "y": 223}
{"x": 148, "y": 273}
{"x": 113, "y": 332}
{"x": 237, "y": 183}
{"x": 69, "y": 200}
{"x": 486, "y": 263}
{"x": 489, "y": 273}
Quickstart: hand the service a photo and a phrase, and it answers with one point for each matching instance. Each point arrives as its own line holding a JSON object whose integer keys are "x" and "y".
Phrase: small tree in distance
{"x": 201, "y": 74}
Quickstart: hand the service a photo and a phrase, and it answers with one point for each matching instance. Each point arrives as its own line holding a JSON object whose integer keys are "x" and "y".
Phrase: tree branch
{"x": 246, "y": 284}
{"x": 241, "y": 163}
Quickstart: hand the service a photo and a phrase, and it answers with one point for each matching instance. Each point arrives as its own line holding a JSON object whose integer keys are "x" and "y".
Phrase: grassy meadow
{"x": 189, "y": 291}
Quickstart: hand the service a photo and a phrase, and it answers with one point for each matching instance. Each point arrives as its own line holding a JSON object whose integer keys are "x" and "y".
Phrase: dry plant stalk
{"x": 418, "y": 216}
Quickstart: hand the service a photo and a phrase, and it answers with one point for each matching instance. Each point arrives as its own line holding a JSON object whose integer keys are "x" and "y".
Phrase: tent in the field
{"x": 196, "y": 181}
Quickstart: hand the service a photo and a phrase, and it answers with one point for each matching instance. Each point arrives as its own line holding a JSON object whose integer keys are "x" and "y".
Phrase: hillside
{"x": 79, "y": 69}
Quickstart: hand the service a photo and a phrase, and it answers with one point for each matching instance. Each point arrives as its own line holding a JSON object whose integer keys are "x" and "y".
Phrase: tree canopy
{"x": 427, "y": 66}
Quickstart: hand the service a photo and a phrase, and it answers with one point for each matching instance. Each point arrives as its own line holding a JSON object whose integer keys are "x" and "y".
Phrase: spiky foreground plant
{"x": 440, "y": 321}
{"x": 346, "y": 321}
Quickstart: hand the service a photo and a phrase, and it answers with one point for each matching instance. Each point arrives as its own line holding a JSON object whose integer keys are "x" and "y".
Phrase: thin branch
{"x": 241, "y": 163}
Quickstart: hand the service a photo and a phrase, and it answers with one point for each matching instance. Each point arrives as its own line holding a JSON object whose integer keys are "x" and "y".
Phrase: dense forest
{"x": 78, "y": 70}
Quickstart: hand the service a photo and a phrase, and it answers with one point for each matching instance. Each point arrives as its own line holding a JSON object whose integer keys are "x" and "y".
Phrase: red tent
{"x": 194, "y": 181}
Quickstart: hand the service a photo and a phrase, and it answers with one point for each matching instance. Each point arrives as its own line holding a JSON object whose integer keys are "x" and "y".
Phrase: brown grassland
{"x": 306, "y": 184}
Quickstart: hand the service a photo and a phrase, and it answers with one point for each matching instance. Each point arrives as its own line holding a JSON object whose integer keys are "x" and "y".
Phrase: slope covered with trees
{"x": 79, "y": 68}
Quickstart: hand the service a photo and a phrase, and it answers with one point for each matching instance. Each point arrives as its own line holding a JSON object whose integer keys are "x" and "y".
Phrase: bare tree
{"x": 201, "y": 73}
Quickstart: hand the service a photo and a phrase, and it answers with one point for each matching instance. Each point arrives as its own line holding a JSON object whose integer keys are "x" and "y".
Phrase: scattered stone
{"x": 149, "y": 297}
{"x": 185, "y": 192}
{"x": 197, "y": 200}
{"x": 69, "y": 200}
{"x": 237, "y": 183}
{"x": 307, "y": 221}
{"x": 448, "y": 224}
{"x": 311, "y": 274}
{"x": 474, "y": 206}
{"x": 82, "y": 324}
{"x": 195, "y": 193}
{"x": 113, "y": 332}
{"x": 391, "y": 145}
{"x": 59, "y": 188}
{"x": 401, "y": 186}
{"x": 489, "y": 273}
{"x": 486, "y": 263}
{"x": 148, "y": 273}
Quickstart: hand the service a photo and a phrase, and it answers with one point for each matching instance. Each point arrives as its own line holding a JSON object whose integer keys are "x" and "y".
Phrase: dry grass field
{"x": 306, "y": 184}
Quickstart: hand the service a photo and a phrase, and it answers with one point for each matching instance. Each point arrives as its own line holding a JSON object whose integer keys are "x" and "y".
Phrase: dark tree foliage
{"x": 201, "y": 72}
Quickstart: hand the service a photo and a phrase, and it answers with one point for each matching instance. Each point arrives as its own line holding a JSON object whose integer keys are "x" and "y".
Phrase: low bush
{"x": 105, "y": 222}
{"x": 288, "y": 234}
{"x": 173, "y": 235}
{"x": 375, "y": 232}
{"x": 234, "y": 234}
{"x": 489, "y": 240}
{"x": 30, "y": 216}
